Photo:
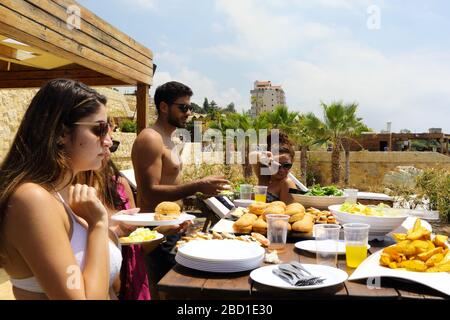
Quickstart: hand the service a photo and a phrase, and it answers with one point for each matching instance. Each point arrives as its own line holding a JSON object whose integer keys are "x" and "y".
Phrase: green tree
{"x": 230, "y": 108}
{"x": 197, "y": 109}
{"x": 308, "y": 130}
{"x": 206, "y": 105}
{"x": 235, "y": 121}
{"x": 340, "y": 123}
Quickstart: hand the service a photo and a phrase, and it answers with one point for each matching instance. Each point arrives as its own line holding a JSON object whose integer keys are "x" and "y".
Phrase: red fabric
{"x": 133, "y": 273}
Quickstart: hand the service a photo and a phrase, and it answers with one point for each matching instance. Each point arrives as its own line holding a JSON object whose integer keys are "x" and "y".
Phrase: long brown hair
{"x": 284, "y": 145}
{"x": 36, "y": 154}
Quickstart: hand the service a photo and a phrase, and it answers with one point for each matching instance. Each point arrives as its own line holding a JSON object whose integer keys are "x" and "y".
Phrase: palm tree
{"x": 340, "y": 123}
{"x": 281, "y": 118}
{"x": 355, "y": 129}
{"x": 308, "y": 131}
{"x": 236, "y": 121}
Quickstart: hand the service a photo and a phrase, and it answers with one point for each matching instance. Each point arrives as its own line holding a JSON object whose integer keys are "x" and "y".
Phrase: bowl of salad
{"x": 381, "y": 218}
{"x": 321, "y": 197}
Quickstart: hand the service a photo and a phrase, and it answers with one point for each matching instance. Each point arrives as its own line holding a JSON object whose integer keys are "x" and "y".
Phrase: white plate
{"x": 219, "y": 266}
{"x": 371, "y": 268}
{"x": 158, "y": 237}
{"x": 221, "y": 250}
{"x": 318, "y": 202}
{"x": 333, "y": 276}
{"x": 244, "y": 203}
{"x": 310, "y": 246}
{"x": 148, "y": 219}
{"x": 379, "y": 226}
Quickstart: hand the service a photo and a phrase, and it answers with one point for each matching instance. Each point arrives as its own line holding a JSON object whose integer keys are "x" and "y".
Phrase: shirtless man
{"x": 157, "y": 169}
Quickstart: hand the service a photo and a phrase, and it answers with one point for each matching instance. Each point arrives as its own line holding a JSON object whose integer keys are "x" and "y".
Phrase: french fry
{"x": 399, "y": 236}
{"x": 406, "y": 247}
{"x": 385, "y": 259}
{"x": 416, "y": 251}
{"x": 440, "y": 268}
{"x": 427, "y": 255}
{"x": 421, "y": 246}
{"x": 393, "y": 265}
{"x": 414, "y": 265}
{"x": 434, "y": 259}
{"x": 440, "y": 240}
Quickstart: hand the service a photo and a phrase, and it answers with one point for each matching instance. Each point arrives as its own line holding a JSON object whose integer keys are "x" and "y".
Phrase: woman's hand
{"x": 174, "y": 229}
{"x": 265, "y": 157}
{"x": 122, "y": 229}
{"x": 84, "y": 202}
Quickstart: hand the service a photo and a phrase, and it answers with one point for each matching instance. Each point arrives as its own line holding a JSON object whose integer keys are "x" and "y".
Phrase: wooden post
{"x": 390, "y": 141}
{"x": 446, "y": 148}
{"x": 142, "y": 106}
{"x": 442, "y": 145}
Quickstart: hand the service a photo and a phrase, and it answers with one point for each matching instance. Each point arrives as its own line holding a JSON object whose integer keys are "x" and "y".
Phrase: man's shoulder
{"x": 149, "y": 134}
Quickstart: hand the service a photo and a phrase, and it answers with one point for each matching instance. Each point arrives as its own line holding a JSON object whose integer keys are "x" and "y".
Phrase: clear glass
{"x": 352, "y": 195}
{"x": 261, "y": 193}
{"x": 327, "y": 237}
{"x": 277, "y": 226}
{"x": 246, "y": 191}
{"x": 356, "y": 237}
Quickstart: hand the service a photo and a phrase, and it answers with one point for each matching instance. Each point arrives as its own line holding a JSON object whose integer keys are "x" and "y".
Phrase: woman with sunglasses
{"x": 54, "y": 237}
{"x": 277, "y": 182}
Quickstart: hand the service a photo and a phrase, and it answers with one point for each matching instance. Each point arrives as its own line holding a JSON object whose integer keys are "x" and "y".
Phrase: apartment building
{"x": 264, "y": 97}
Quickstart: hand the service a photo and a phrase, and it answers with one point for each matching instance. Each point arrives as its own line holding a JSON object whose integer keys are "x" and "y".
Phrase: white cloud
{"x": 171, "y": 59}
{"x": 202, "y": 86}
{"x": 314, "y": 62}
{"x": 407, "y": 89}
{"x": 261, "y": 34}
{"x": 149, "y": 4}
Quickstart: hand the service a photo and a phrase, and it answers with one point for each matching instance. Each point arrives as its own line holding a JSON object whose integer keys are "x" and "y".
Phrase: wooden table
{"x": 185, "y": 283}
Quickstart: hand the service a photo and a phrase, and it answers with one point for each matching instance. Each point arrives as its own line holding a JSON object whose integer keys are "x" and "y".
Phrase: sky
{"x": 391, "y": 57}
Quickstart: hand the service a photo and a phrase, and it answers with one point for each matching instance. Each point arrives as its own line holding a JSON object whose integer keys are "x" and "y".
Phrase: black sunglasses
{"x": 100, "y": 129}
{"x": 183, "y": 107}
{"x": 286, "y": 165}
{"x": 114, "y": 146}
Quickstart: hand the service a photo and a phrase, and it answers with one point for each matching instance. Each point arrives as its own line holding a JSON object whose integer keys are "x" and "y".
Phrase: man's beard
{"x": 175, "y": 122}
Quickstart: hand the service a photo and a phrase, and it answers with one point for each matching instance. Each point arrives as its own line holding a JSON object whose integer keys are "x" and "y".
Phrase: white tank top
{"x": 78, "y": 243}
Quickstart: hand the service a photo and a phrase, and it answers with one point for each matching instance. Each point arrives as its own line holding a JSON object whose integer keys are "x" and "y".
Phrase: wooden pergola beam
{"x": 31, "y": 77}
{"x": 103, "y": 54}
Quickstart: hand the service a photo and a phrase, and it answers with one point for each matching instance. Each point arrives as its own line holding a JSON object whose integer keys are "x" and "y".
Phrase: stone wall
{"x": 14, "y": 102}
{"x": 122, "y": 157}
{"x": 367, "y": 168}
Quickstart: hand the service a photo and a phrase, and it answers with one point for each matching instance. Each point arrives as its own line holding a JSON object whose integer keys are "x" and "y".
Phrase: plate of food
{"x": 141, "y": 236}
{"x": 321, "y": 197}
{"x": 166, "y": 213}
{"x": 418, "y": 256}
{"x": 381, "y": 219}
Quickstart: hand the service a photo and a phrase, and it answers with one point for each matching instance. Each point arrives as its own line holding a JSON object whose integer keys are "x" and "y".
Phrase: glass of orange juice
{"x": 260, "y": 193}
{"x": 356, "y": 237}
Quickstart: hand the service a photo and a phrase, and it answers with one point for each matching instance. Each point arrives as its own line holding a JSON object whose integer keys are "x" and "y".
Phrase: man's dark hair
{"x": 171, "y": 91}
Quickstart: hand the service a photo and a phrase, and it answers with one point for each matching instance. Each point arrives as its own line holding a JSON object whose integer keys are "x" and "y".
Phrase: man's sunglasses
{"x": 184, "y": 107}
{"x": 114, "y": 146}
{"x": 286, "y": 165}
{"x": 100, "y": 129}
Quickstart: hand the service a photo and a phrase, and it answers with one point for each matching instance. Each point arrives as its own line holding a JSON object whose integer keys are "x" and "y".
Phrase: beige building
{"x": 264, "y": 97}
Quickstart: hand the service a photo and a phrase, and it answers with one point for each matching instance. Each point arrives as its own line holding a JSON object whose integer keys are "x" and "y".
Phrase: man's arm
{"x": 147, "y": 155}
